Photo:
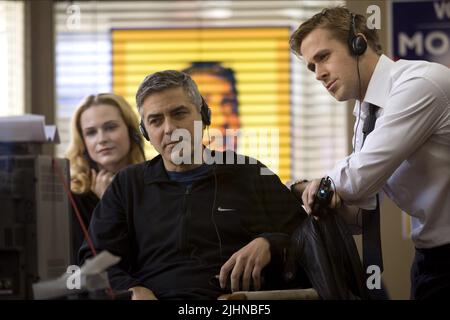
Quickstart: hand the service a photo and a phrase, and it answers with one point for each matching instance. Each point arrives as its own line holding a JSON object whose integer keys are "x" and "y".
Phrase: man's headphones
{"x": 134, "y": 137}
{"x": 205, "y": 112}
{"x": 357, "y": 43}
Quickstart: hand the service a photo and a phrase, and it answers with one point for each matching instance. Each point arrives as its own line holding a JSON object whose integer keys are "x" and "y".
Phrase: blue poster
{"x": 421, "y": 30}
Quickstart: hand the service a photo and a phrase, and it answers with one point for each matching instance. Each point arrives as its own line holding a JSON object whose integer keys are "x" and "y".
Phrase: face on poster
{"x": 243, "y": 74}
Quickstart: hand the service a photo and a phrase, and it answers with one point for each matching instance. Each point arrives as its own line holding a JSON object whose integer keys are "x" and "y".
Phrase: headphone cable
{"x": 214, "y": 203}
{"x": 359, "y": 106}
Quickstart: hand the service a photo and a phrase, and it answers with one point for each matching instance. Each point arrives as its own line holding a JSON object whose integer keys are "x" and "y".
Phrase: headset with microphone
{"x": 205, "y": 112}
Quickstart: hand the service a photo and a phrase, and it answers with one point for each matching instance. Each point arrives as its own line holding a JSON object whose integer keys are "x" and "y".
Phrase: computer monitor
{"x": 35, "y": 230}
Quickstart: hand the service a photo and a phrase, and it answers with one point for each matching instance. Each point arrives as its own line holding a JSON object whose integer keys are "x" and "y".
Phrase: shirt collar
{"x": 379, "y": 85}
{"x": 156, "y": 172}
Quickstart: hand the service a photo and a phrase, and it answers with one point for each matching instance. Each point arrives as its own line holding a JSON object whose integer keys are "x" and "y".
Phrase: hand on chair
{"x": 142, "y": 293}
{"x": 245, "y": 265}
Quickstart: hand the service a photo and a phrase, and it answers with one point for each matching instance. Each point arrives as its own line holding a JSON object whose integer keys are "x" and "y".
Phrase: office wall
{"x": 39, "y": 62}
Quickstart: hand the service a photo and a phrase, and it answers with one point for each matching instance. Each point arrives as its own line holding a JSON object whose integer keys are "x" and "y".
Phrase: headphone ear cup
{"x": 206, "y": 115}
{"x": 359, "y": 45}
{"x": 134, "y": 136}
{"x": 205, "y": 112}
{"x": 143, "y": 131}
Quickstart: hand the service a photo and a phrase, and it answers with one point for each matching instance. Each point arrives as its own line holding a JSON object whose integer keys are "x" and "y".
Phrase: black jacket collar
{"x": 156, "y": 172}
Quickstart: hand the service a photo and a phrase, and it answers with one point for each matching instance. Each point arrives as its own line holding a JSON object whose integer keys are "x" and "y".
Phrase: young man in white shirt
{"x": 406, "y": 156}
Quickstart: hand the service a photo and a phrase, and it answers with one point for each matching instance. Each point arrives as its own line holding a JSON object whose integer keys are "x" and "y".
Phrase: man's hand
{"x": 100, "y": 181}
{"x": 142, "y": 293}
{"x": 310, "y": 192}
{"x": 247, "y": 263}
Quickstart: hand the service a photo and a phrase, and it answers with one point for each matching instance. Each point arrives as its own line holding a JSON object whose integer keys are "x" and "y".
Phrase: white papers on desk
{"x": 92, "y": 274}
{"x": 27, "y": 128}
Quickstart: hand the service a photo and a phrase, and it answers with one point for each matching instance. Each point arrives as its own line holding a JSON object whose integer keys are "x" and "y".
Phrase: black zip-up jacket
{"x": 166, "y": 234}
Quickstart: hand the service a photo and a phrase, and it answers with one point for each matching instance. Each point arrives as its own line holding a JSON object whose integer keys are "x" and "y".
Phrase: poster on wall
{"x": 242, "y": 73}
{"x": 421, "y": 30}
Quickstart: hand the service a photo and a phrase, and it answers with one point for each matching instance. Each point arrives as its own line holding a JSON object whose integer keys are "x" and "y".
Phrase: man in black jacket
{"x": 180, "y": 220}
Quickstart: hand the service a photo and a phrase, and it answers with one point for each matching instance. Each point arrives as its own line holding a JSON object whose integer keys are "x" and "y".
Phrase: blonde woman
{"x": 104, "y": 139}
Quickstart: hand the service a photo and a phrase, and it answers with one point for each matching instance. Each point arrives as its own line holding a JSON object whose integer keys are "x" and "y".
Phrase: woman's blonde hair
{"x": 80, "y": 169}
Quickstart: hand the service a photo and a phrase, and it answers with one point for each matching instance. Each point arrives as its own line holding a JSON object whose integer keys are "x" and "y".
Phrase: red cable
{"x": 56, "y": 165}
{"x": 75, "y": 207}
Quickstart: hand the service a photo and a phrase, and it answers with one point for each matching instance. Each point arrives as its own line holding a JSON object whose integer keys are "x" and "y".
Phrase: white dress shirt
{"x": 407, "y": 155}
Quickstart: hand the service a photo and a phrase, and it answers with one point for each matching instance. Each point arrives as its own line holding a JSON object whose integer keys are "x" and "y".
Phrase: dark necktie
{"x": 371, "y": 238}
{"x": 369, "y": 123}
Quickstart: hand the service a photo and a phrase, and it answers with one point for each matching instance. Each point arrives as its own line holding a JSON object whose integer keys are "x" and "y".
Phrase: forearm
{"x": 279, "y": 243}
{"x": 297, "y": 189}
{"x": 355, "y": 184}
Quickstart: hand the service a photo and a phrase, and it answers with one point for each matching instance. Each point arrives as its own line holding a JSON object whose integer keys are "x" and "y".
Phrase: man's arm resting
{"x": 279, "y": 242}
{"x": 297, "y": 188}
{"x": 246, "y": 264}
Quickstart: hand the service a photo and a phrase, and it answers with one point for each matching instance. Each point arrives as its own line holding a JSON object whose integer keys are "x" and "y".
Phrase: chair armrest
{"x": 292, "y": 294}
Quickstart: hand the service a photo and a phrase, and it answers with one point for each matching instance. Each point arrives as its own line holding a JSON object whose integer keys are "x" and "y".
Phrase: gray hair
{"x": 168, "y": 79}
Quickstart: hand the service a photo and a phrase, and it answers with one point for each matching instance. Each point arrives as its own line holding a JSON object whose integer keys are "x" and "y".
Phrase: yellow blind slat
{"x": 259, "y": 58}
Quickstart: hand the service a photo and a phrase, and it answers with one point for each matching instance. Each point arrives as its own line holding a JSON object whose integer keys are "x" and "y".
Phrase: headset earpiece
{"x": 205, "y": 111}
{"x": 143, "y": 131}
{"x": 134, "y": 136}
{"x": 357, "y": 43}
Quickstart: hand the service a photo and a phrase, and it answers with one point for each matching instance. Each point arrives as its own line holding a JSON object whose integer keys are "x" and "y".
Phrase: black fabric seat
{"x": 326, "y": 251}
